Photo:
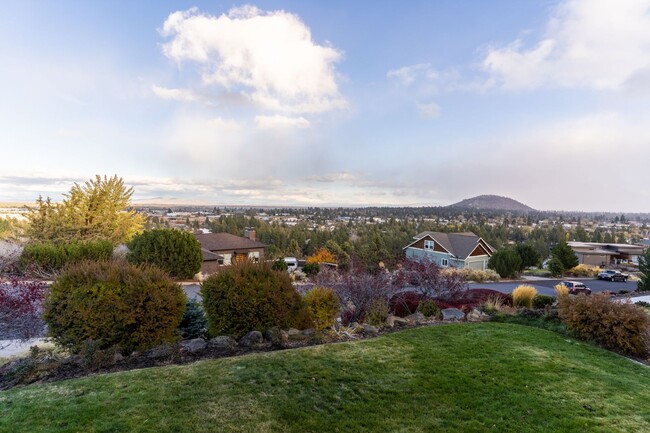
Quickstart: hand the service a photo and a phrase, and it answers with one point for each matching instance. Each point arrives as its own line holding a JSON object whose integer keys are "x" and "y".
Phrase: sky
{"x": 336, "y": 103}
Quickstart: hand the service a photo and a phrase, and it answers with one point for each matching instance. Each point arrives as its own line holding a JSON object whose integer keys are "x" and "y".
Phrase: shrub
{"x": 280, "y": 265}
{"x": 50, "y": 258}
{"x": 561, "y": 290}
{"x": 311, "y": 268}
{"x": 377, "y": 312}
{"x": 404, "y": 303}
{"x": 20, "y": 309}
{"x": 617, "y": 326}
{"x": 541, "y": 301}
{"x": 493, "y": 304}
{"x": 583, "y": 270}
{"x": 523, "y": 296}
{"x": 323, "y": 306}
{"x": 114, "y": 304}
{"x": 251, "y": 296}
{"x": 429, "y": 308}
{"x": 476, "y": 275}
{"x": 555, "y": 267}
{"x": 623, "y": 292}
{"x": 174, "y": 251}
{"x": 193, "y": 324}
{"x": 506, "y": 262}
{"x": 642, "y": 304}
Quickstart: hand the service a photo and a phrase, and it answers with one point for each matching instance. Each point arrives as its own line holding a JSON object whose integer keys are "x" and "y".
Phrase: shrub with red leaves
{"x": 404, "y": 303}
{"x": 20, "y": 309}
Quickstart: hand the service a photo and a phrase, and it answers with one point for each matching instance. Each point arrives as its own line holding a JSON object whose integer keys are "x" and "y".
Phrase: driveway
{"x": 545, "y": 287}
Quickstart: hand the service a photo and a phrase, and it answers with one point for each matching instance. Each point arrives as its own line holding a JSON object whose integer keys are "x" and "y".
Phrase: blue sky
{"x": 330, "y": 103}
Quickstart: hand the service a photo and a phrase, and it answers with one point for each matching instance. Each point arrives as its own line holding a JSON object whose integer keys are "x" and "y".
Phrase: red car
{"x": 576, "y": 287}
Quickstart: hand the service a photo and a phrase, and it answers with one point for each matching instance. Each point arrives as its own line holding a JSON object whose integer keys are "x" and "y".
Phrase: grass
{"x": 489, "y": 377}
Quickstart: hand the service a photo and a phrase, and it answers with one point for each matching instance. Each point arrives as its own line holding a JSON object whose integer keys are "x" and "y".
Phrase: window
{"x": 428, "y": 245}
{"x": 444, "y": 262}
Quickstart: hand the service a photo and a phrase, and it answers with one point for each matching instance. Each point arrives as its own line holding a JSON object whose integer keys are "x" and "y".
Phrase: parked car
{"x": 613, "y": 275}
{"x": 292, "y": 264}
{"x": 576, "y": 287}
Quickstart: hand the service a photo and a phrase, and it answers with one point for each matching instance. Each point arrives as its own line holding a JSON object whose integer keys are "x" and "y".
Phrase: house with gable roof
{"x": 224, "y": 249}
{"x": 460, "y": 250}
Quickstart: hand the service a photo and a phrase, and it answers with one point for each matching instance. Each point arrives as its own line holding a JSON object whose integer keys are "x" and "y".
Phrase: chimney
{"x": 249, "y": 233}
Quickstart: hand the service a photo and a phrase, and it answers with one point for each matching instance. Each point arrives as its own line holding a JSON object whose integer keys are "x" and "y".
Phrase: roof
{"x": 612, "y": 248}
{"x": 460, "y": 245}
{"x": 226, "y": 241}
{"x": 209, "y": 256}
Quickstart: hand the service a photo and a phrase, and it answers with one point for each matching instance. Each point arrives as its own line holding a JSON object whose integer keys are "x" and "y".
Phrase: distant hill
{"x": 492, "y": 202}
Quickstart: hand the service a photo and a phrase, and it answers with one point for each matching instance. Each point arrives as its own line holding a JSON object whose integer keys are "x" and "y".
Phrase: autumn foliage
{"x": 322, "y": 255}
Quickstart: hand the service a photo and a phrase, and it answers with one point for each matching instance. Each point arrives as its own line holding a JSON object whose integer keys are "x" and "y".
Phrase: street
{"x": 545, "y": 287}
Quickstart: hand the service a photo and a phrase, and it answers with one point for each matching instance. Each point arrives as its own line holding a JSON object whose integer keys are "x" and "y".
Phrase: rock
{"x": 252, "y": 339}
{"x": 273, "y": 336}
{"x": 309, "y": 332}
{"x": 476, "y": 316}
{"x": 370, "y": 330}
{"x": 117, "y": 358}
{"x": 195, "y": 345}
{"x": 452, "y": 314}
{"x": 396, "y": 321}
{"x": 163, "y": 351}
{"x": 294, "y": 335}
{"x": 222, "y": 343}
{"x": 417, "y": 318}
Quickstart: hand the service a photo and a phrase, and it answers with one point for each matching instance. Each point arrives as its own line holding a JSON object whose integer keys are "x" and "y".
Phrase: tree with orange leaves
{"x": 321, "y": 255}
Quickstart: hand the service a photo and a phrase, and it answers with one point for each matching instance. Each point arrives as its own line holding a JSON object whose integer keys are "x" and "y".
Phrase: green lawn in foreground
{"x": 489, "y": 377}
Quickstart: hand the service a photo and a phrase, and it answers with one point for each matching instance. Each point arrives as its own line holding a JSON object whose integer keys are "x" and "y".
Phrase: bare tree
{"x": 20, "y": 309}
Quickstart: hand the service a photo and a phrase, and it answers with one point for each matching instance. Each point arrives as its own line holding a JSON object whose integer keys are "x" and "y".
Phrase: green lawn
{"x": 491, "y": 377}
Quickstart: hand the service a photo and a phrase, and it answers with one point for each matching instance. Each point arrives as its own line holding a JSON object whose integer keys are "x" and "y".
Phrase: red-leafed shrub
{"x": 404, "y": 303}
{"x": 20, "y": 309}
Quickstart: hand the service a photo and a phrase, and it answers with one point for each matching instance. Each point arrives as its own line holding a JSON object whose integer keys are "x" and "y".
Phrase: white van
{"x": 292, "y": 264}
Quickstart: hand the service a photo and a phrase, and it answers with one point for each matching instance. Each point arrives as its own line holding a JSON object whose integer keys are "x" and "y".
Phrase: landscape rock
{"x": 117, "y": 358}
{"x": 309, "y": 332}
{"x": 273, "y": 336}
{"x": 163, "y": 351}
{"x": 369, "y": 329}
{"x": 252, "y": 339}
{"x": 195, "y": 345}
{"x": 393, "y": 321}
{"x": 294, "y": 335}
{"x": 476, "y": 316}
{"x": 222, "y": 343}
{"x": 417, "y": 318}
{"x": 452, "y": 314}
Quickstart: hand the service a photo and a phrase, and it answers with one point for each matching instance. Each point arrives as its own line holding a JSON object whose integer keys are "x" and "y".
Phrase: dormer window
{"x": 428, "y": 245}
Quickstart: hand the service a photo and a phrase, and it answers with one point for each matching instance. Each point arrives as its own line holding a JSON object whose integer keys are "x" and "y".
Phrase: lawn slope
{"x": 487, "y": 377}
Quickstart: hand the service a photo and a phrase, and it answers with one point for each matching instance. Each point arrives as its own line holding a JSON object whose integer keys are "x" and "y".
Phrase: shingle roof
{"x": 460, "y": 245}
{"x": 226, "y": 241}
{"x": 209, "y": 256}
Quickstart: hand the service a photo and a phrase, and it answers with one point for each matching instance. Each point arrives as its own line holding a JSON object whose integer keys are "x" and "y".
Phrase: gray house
{"x": 460, "y": 250}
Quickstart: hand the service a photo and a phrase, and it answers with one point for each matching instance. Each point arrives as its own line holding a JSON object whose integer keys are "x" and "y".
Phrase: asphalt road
{"x": 545, "y": 287}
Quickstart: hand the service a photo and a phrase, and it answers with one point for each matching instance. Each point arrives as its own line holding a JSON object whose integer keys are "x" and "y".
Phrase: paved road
{"x": 545, "y": 287}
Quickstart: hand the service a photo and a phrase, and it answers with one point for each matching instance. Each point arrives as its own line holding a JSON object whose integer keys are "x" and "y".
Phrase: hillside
{"x": 492, "y": 202}
{"x": 487, "y": 377}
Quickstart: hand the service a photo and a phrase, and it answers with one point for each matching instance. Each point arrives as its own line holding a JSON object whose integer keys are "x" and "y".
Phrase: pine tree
{"x": 643, "y": 284}
{"x": 565, "y": 255}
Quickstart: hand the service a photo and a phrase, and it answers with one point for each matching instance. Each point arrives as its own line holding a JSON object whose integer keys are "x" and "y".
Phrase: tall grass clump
{"x": 523, "y": 296}
{"x": 561, "y": 290}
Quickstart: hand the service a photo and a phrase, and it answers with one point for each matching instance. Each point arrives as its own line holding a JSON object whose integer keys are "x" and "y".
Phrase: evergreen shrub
{"x": 174, "y": 251}
{"x": 250, "y": 296}
{"x": 114, "y": 304}
{"x": 323, "y": 305}
{"x": 49, "y": 257}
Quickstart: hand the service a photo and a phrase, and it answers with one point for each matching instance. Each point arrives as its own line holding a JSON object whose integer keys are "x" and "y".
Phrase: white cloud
{"x": 587, "y": 43}
{"x": 268, "y": 56}
{"x": 174, "y": 94}
{"x": 280, "y": 122}
{"x": 429, "y": 110}
{"x": 408, "y": 74}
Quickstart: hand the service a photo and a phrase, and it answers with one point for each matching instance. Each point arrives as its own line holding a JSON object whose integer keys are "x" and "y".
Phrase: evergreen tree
{"x": 565, "y": 255}
{"x": 505, "y": 262}
{"x": 528, "y": 254}
{"x": 643, "y": 284}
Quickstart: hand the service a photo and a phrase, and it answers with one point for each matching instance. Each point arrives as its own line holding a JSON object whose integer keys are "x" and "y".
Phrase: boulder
{"x": 252, "y": 339}
{"x": 476, "y": 316}
{"x": 194, "y": 345}
{"x": 370, "y": 330}
{"x": 452, "y": 314}
{"x": 309, "y": 332}
{"x": 157, "y": 352}
{"x": 294, "y": 335}
{"x": 117, "y": 358}
{"x": 222, "y": 343}
{"x": 416, "y": 318}
{"x": 273, "y": 336}
{"x": 393, "y": 321}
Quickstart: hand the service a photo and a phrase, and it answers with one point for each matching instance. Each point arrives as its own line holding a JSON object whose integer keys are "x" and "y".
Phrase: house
{"x": 601, "y": 254}
{"x": 460, "y": 250}
{"x": 224, "y": 249}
